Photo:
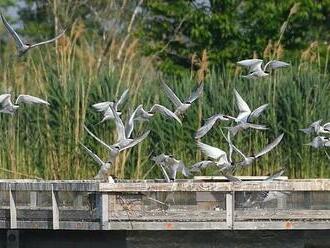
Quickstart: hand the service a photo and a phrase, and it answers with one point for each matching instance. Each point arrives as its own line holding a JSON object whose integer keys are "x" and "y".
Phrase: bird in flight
{"x": 257, "y": 71}
{"x": 21, "y": 46}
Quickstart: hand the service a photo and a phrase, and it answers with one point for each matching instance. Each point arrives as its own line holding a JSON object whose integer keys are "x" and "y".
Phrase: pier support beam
{"x": 56, "y": 213}
{"x": 230, "y": 206}
{"x": 13, "y": 213}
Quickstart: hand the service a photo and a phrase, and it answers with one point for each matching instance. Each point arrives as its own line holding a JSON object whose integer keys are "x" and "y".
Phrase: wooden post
{"x": 33, "y": 199}
{"x": 104, "y": 211}
{"x": 13, "y": 213}
{"x": 230, "y": 206}
{"x": 56, "y": 214}
{"x": 78, "y": 200}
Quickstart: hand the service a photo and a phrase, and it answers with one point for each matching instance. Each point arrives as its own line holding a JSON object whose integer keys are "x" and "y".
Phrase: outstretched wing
{"x": 171, "y": 95}
{"x": 119, "y": 125}
{"x": 48, "y": 41}
{"x": 274, "y": 64}
{"x": 203, "y": 130}
{"x": 130, "y": 123}
{"x": 121, "y": 100}
{"x": 135, "y": 141}
{"x": 5, "y": 100}
{"x": 196, "y": 94}
{"x": 258, "y": 111}
{"x": 275, "y": 175}
{"x": 93, "y": 155}
{"x": 30, "y": 99}
{"x": 252, "y": 64}
{"x": 98, "y": 139}
{"x": 201, "y": 165}
{"x": 102, "y": 106}
{"x": 211, "y": 151}
{"x": 165, "y": 111}
{"x": 270, "y": 146}
{"x": 18, "y": 41}
{"x": 241, "y": 104}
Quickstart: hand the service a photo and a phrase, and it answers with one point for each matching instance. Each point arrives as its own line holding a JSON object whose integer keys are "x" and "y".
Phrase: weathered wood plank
{"x": 243, "y": 178}
{"x": 291, "y": 185}
{"x": 104, "y": 218}
{"x": 55, "y": 212}
{"x": 230, "y": 206}
{"x": 13, "y": 213}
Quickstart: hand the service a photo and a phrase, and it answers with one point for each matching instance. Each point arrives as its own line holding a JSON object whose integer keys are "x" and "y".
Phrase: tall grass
{"x": 43, "y": 142}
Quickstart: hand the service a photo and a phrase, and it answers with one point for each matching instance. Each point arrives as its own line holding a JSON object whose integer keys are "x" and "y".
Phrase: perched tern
{"x": 181, "y": 107}
{"x": 105, "y": 165}
{"x": 8, "y": 107}
{"x": 21, "y": 46}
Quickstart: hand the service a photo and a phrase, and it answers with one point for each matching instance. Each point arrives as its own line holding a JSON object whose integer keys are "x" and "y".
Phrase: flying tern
{"x": 317, "y": 128}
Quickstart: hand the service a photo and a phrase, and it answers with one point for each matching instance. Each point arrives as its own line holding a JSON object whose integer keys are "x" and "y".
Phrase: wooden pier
{"x": 200, "y": 204}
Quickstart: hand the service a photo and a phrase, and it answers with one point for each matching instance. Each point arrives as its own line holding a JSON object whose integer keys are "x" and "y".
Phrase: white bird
{"x": 21, "y": 46}
{"x": 105, "y": 165}
{"x": 220, "y": 158}
{"x": 105, "y": 106}
{"x": 255, "y": 69}
{"x": 170, "y": 166}
{"x": 115, "y": 149}
{"x": 249, "y": 160}
{"x": 181, "y": 107}
{"x": 8, "y": 107}
{"x": 245, "y": 114}
{"x": 317, "y": 128}
{"x": 156, "y": 108}
{"x": 319, "y": 142}
{"x": 203, "y": 130}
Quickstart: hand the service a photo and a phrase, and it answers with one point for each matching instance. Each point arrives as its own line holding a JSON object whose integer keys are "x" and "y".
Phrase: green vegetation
{"x": 90, "y": 65}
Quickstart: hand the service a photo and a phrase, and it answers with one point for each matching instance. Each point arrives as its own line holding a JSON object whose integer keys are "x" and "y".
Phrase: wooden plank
{"x": 33, "y": 199}
{"x": 13, "y": 213}
{"x": 104, "y": 218}
{"x": 230, "y": 206}
{"x": 55, "y": 212}
{"x": 290, "y": 185}
{"x": 243, "y": 178}
{"x": 57, "y": 185}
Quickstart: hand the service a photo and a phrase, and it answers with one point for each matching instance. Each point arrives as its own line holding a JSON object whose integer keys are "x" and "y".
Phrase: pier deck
{"x": 200, "y": 204}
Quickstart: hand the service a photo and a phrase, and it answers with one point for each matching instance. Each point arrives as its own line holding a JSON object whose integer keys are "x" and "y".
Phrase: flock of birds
{"x": 169, "y": 165}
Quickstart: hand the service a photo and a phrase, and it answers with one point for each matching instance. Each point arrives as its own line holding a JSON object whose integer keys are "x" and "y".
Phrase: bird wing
{"x": 18, "y": 41}
{"x": 211, "y": 151}
{"x": 201, "y": 165}
{"x": 119, "y": 125}
{"x": 184, "y": 170}
{"x": 130, "y": 123}
{"x": 275, "y": 175}
{"x": 48, "y": 41}
{"x": 270, "y": 146}
{"x": 102, "y": 106}
{"x": 274, "y": 64}
{"x": 160, "y": 159}
{"x": 241, "y": 104}
{"x": 251, "y": 64}
{"x": 195, "y": 94}
{"x": 258, "y": 111}
{"x": 203, "y": 130}
{"x": 164, "y": 111}
{"x": 171, "y": 95}
{"x": 135, "y": 141}
{"x": 93, "y": 155}
{"x": 121, "y": 100}
{"x": 326, "y": 126}
{"x": 98, "y": 139}
{"x": 5, "y": 100}
{"x": 238, "y": 151}
{"x": 30, "y": 99}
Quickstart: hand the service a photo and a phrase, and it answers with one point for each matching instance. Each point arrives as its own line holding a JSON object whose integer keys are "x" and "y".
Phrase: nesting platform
{"x": 205, "y": 203}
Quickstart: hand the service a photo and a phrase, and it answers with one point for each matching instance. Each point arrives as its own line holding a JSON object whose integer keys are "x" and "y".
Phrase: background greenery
{"x": 112, "y": 45}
